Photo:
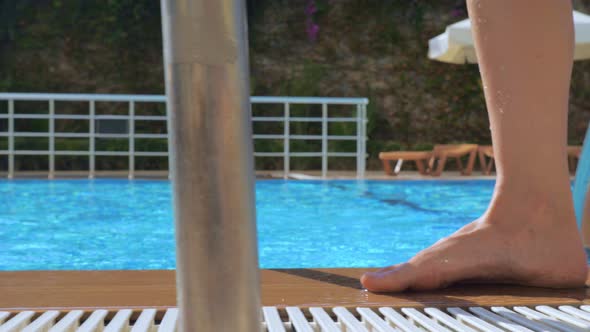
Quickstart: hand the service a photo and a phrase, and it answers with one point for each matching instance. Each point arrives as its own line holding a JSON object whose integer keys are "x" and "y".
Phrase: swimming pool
{"x": 121, "y": 224}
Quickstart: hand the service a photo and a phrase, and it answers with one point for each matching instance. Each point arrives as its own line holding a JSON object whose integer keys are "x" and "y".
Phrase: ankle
{"x": 538, "y": 185}
{"x": 523, "y": 205}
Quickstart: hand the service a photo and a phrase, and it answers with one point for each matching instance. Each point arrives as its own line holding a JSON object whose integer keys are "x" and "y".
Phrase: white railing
{"x": 285, "y": 119}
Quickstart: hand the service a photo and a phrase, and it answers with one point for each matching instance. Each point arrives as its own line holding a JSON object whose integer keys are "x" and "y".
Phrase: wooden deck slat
{"x": 88, "y": 290}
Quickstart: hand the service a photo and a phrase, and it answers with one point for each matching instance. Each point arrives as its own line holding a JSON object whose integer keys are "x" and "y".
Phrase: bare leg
{"x": 528, "y": 235}
{"x": 586, "y": 222}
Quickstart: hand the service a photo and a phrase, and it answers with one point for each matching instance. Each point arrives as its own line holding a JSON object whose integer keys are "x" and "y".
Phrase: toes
{"x": 396, "y": 278}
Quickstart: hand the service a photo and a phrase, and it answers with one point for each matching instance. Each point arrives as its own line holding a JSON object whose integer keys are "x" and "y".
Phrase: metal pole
{"x": 10, "y": 139}
{"x": 207, "y": 83}
{"x": 131, "y": 131}
{"x": 92, "y": 139}
{"x": 286, "y": 142}
{"x": 359, "y": 153}
{"x": 364, "y": 141}
{"x": 51, "y": 139}
{"x": 324, "y": 140}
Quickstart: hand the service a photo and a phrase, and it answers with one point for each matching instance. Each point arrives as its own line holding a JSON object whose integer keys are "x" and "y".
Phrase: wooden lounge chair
{"x": 435, "y": 159}
{"x": 419, "y": 157}
{"x": 443, "y": 152}
{"x": 484, "y": 152}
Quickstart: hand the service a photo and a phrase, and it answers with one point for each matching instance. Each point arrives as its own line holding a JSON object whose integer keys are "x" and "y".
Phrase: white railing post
{"x": 131, "y": 125}
{"x": 286, "y": 142}
{"x": 91, "y": 137}
{"x": 51, "y": 139}
{"x": 364, "y": 141}
{"x": 10, "y": 138}
{"x": 324, "y": 140}
{"x": 359, "y": 152}
{"x": 168, "y": 135}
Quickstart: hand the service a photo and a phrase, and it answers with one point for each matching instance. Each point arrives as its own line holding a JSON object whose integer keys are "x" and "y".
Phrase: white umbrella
{"x": 455, "y": 45}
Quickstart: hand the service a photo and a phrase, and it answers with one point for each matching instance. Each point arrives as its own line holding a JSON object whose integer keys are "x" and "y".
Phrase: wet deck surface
{"x": 290, "y": 287}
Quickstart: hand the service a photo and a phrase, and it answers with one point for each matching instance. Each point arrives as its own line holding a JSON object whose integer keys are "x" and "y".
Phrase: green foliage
{"x": 420, "y": 146}
{"x": 374, "y": 49}
{"x": 83, "y": 46}
{"x": 151, "y": 144}
{"x": 72, "y": 144}
{"x": 304, "y": 80}
{"x": 31, "y": 143}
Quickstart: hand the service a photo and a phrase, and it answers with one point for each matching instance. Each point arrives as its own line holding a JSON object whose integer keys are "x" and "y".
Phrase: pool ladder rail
{"x": 315, "y": 319}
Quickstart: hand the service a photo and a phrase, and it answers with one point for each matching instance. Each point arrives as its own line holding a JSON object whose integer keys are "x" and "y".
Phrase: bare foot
{"x": 521, "y": 239}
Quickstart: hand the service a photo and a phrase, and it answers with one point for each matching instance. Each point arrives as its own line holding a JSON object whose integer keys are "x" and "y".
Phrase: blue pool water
{"x": 120, "y": 224}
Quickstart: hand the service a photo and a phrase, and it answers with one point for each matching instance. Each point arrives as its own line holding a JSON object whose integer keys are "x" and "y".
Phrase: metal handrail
{"x": 360, "y": 136}
{"x": 162, "y": 98}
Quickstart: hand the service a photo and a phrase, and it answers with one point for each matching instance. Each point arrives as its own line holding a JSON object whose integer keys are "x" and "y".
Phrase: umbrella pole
{"x": 207, "y": 84}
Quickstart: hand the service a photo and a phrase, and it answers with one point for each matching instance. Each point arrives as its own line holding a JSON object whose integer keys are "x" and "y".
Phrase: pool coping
{"x": 264, "y": 175}
{"x": 137, "y": 289}
{"x": 293, "y": 175}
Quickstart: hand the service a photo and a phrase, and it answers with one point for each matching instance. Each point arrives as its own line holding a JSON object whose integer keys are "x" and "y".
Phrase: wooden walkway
{"x": 42, "y": 290}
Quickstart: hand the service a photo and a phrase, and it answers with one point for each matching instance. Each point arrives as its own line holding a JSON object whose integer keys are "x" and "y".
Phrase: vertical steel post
{"x": 286, "y": 142}
{"x": 51, "y": 139}
{"x": 207, "y": 84}
{"x": 359, "y": 153}
{"x": 324, "y": 140}
{"x": 131, "y": 131}
{"x": 92, "y": 138}
{"x": 364, "y": 141}
{"x": 10, "y": 138}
